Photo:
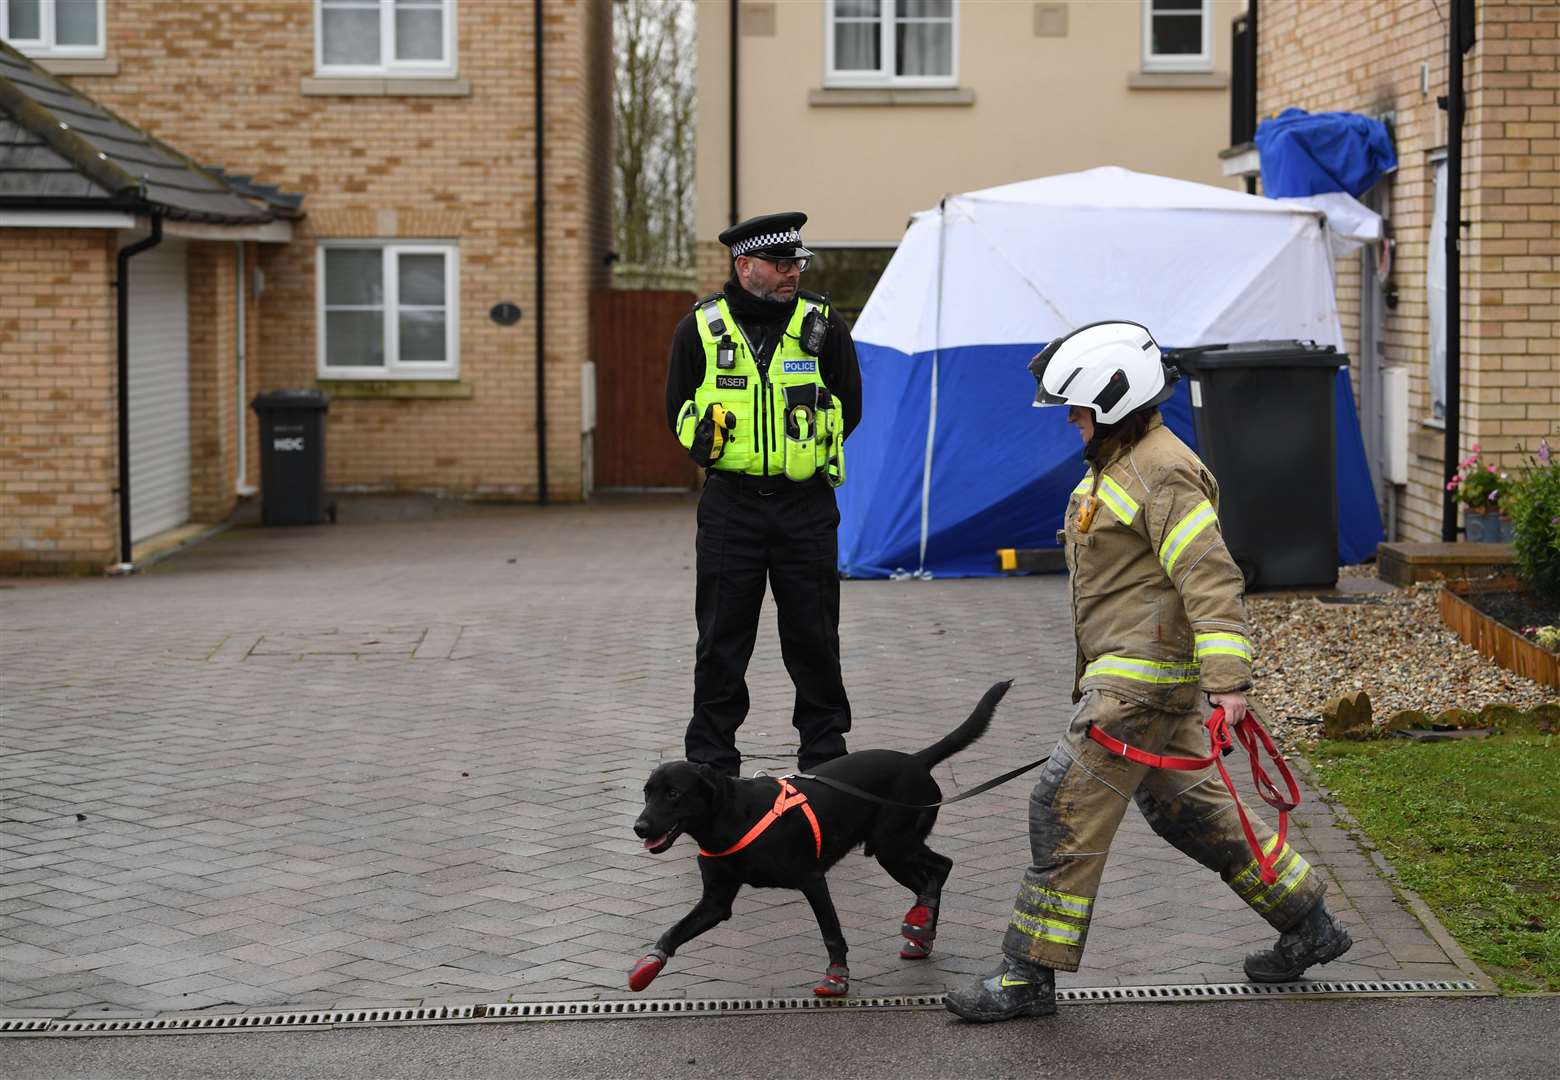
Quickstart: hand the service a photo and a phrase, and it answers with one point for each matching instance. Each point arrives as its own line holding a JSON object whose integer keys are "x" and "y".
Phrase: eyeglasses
{"x": 785, "y": 266}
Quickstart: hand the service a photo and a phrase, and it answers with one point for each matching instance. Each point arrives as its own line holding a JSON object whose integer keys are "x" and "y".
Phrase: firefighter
{"x": 1159, "y": 620}
{"x": 762, "y": 388}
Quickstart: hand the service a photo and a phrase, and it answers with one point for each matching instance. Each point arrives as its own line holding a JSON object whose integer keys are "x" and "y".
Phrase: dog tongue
{"x": 657, "y": 842}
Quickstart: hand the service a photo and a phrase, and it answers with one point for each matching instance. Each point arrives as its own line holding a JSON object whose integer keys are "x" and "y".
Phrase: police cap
{"x": 771, "y": 236}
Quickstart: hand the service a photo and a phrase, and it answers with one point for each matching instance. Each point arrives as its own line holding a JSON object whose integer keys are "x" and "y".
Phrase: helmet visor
{"x": 1037, "y": 366}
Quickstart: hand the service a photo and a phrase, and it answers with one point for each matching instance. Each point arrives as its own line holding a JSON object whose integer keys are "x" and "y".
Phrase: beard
{"x": 774, "y": 295}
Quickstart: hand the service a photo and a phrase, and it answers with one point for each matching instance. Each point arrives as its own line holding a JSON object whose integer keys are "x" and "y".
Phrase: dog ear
{"x": 714, "y": 783}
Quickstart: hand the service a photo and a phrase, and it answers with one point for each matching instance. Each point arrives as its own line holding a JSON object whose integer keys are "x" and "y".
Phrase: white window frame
{"x": 1202, "y": 61}
{"x": 885, "y": 76}
{"x": 44, "y": 46}
{"x": 391, "y": 68}
{"x": 393, "y": 369}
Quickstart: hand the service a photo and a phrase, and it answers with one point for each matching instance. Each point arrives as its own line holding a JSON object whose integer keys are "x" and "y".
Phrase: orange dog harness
{"x": 788, "y": 799}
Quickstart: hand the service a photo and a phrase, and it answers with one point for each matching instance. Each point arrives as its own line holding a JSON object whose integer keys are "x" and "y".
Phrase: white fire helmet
{"x": 1113, "y": 368}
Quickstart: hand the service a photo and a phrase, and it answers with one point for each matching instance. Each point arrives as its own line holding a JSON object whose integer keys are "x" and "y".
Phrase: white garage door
{"x": 159, "y": 390}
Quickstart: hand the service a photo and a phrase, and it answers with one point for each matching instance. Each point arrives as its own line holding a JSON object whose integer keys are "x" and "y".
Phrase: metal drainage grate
{"x": 640, "y": 1008}
{"x": 1309, "y": 989}
{"x": 276, "y": 1021}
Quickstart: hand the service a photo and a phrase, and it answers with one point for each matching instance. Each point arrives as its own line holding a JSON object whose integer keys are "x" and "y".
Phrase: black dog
{"x": 770, "y": 834}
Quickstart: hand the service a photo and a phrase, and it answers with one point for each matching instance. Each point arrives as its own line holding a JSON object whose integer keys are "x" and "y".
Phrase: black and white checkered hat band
{"x": 753, "y": 243}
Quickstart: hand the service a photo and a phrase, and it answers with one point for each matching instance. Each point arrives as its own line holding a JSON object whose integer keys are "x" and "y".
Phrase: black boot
{"x": 1317, "y": 938}
{"x": 1019, "y": 989}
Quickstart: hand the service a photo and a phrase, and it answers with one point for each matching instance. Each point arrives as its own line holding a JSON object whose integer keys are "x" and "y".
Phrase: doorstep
{"x": 1405, "y": 563}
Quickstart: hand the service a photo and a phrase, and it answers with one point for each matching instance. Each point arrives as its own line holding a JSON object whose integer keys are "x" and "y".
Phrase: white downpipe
{"x": 241, "y": 375}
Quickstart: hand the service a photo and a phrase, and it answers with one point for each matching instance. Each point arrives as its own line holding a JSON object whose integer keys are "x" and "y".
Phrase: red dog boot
{"x": 836, "y": 982}
{"x": 920, "y": 930}
{"x": 647, "y": 969}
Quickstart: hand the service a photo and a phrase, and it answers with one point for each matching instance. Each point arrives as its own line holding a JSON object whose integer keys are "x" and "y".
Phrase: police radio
{"x": 726, "y": 353}
{"x": 815, "y": 328}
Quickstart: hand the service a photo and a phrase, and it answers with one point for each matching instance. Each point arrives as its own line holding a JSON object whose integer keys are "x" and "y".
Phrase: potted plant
{"x": 1480, "y": 487}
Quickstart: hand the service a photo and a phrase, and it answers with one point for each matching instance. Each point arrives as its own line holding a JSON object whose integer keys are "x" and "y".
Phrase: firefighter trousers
{"x": 1077, "y": 806}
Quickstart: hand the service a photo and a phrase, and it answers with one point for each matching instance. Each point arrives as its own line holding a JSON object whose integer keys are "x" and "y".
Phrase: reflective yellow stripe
{"x": 1288, "y": 878}
{"x": 1149, "y": 671}
{"x": 1253, "y": 871}
{"x": 1046, "y": 929}
{"x": 1121, "y": 504}
{"x": 1084, "y": 485}
{"x": 1060, "y": 902}
{"x": 1200, "y": 518}
{"x": 1252, "y": 890}
{"x": 1223, "y": 645}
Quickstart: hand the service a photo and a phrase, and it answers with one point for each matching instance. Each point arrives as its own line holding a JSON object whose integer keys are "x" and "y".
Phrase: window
{"x": 891, "y": 42}
{"x": 53, "y": 27}
{"x": 1177, "y": 35}
{"x": 388, "y": 311}
{"x": 401, "y": 38}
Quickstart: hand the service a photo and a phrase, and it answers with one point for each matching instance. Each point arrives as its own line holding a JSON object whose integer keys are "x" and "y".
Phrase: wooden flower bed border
{"x": 1500, "y": 643}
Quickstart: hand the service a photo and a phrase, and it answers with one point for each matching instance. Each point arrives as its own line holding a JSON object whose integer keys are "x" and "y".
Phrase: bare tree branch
{"x": 653, "y": 95}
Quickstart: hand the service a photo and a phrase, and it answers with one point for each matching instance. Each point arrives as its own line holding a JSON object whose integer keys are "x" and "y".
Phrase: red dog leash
{"x": 1250, "y": 733}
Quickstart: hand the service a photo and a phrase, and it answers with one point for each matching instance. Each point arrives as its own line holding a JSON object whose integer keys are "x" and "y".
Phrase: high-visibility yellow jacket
{"x": 784, "y": 425}
{"x": 1158, "y": 603}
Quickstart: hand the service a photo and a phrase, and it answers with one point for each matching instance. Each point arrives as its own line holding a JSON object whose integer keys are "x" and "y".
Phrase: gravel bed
{"x": 1392, "y": 645}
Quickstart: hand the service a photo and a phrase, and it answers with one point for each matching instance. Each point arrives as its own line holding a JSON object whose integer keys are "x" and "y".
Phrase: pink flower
{"x": 1451, "y": 485}
{"x": 1475, "y": 449}
{"x": 1543, "y": 451}
{"x": 1492, "y": 496}
{"x": 1490, "y": 469}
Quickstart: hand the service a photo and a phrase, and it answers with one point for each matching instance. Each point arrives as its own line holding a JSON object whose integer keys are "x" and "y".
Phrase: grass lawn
{"x": 1473, "y": 827}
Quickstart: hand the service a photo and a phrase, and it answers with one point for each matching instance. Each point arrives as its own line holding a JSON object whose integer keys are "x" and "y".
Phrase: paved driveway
{"x": 397, "y": 760}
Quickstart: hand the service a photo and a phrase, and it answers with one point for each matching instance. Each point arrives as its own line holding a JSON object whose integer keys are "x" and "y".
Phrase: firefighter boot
{"x": 1019, "y": 989}
{"x": 1317, "y": 938}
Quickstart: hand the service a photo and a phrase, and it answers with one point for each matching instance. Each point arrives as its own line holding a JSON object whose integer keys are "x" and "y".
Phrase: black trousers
{"x": 752, "y": 529}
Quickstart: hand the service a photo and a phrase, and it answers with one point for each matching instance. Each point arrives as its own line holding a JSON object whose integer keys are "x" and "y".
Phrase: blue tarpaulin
{"x": 1311, "y": 154}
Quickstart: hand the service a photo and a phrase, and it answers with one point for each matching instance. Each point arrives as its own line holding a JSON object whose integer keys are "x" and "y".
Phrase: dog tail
{"x": 973, "y": 728}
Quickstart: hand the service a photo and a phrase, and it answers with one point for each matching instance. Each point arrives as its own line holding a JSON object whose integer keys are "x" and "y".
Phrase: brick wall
{"x": 224, "y": 83}
{"x": 712, "y": 266}
{"x": 58, "y": 424}
{"x": 1513, "y": 147}
{"x": 213, "y": 372}
{"x": 1378, "y": 57}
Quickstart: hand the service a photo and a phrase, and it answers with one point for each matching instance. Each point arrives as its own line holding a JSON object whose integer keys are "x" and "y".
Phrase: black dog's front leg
{"x": 714, "y": 907}
{"x": 836, "y": 981}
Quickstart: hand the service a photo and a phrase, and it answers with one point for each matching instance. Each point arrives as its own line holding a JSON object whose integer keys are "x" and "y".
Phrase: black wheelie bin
{"x": 1265, "y": 417}
{"x": 292, "y": 457}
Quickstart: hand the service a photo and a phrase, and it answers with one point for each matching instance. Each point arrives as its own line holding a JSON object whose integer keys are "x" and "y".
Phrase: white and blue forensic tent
{"x": 950, "y": 461}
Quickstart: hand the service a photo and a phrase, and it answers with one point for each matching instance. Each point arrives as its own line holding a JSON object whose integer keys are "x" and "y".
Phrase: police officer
{"x": 1160, "y": 620}
{"x": 762, "y": 388}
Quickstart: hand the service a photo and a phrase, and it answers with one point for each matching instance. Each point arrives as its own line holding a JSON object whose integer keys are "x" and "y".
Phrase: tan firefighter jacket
{"x": 1158, "y": 603}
